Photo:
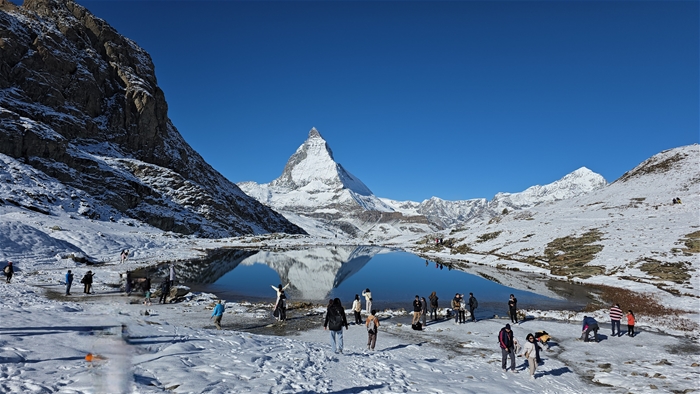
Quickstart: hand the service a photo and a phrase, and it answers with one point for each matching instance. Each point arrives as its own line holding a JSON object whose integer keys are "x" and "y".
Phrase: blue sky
{"x": 457, "y": 100}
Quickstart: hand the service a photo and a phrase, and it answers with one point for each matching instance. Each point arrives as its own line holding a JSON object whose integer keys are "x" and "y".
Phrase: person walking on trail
{"x": 589, "y": 324}
{"x": 507, "y": 344}
{"x": 473, "y": 304}
{"x": 164, "y": 291}
{"x": 630, "y": 323}
{"x": 513, "y": 309}
{"x": 372, "y": 325}
{"x": 217, "y": 314}
{"x": 455, "y": 307}
{"x": 124, "y": 255}
{"x": 335, "y": 321}
{"x": 433, "y": 306}
{"x": 615, "y": 317}
{"x": 356, "y": 309}
{"x": 368, "y": 300}
{"x": 279, "y": 310}
{"x": 69, "y": 281}
{"x": 530, "y": 351}
{"x": 9, "y": 270}
{"x": 87, "y": 282}
{"x": 417, "y": 307}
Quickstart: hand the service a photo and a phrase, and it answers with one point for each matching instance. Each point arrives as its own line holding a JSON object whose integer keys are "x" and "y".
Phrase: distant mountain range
{"x": 319, "y": 195}
{"x": 80, "y": 103}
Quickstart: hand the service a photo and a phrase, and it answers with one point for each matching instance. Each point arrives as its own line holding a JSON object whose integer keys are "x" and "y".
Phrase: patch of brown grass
{"x": 692, "y": 242}
{"x": 640, "y": 303}
{"x": 488, "y": 236}
{"x": 569, "y": 256}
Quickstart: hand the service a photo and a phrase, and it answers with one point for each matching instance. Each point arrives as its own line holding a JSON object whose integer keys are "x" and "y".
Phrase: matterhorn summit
{"x": 317, "y": 193}
{"x": 312, "y": 181}
{"x": 312, "y": 167}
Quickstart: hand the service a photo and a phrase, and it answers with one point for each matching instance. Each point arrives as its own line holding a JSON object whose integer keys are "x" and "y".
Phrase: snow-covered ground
{"x": 175, "y": 348}
{"x": 46, "y": 229}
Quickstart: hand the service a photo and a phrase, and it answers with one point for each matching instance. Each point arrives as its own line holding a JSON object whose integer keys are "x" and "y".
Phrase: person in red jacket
{"x": 630, "y": 323}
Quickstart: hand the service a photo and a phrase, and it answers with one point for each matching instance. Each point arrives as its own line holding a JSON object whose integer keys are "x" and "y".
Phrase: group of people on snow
{"x": 459, "y": 307}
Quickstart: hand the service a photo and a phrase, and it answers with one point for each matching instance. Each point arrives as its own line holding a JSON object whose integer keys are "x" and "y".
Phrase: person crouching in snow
{"x": 529, "y": 351}
{"x": 589, "y": 324}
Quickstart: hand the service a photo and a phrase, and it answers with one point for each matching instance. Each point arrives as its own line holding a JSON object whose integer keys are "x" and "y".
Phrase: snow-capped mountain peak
{"x": 313, "y": 167}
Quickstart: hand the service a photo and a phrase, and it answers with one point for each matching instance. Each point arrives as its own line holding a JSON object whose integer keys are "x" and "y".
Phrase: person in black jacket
{"x": 335, "y": 320}
{"x": 417, "y": 308}
{"x": 164, "y": 291}
{"x": 513, "y": 309}
{"x": 473, "y": 304}
{"x": 87, "y": 282}
{"x": 433, "y": 306}
{"x": 9, "y": 271}
{"x": 505, "y": 341}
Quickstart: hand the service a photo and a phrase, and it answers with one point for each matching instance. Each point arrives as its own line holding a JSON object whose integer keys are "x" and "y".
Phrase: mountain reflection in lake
{"x": 395, "y": 278}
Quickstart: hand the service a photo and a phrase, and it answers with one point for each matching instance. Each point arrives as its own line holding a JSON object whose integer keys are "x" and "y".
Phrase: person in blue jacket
{"x": 589, "y": 324}
{"x": 69, "y": 281}
{"x": 217, "y": 314}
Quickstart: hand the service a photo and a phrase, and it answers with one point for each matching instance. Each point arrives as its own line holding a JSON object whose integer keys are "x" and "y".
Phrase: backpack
{"x": 418, "y": 326}
{"x": 372, "y": 327}
{"x": 7, "y": 269}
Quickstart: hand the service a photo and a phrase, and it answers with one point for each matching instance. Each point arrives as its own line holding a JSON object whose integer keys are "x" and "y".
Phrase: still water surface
{"x": 395, "y": 278}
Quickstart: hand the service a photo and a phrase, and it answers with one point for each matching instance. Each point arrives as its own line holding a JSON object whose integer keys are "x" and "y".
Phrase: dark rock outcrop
{"x": 81, "y": 103}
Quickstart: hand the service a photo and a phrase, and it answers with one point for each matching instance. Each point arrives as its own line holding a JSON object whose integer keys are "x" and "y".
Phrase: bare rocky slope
{"x": 80, "y": 103}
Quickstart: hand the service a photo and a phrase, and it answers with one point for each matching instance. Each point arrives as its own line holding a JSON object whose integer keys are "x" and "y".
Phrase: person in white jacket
{"x": 356, "y": 309}
{"x": 280, "y": 307}
{"x": 530, "y": 353}
{"x": 368, "y": 300}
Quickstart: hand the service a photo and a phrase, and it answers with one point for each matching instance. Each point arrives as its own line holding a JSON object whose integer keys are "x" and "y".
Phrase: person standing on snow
{"x": 164, "y": 291}
{"x": 462, "y": 309}
{"x": 513, "y": 309}
{"x": 9, "y": 271}
{"x": 455, "y": 307}
{"x": 615, "y": 317}
{"x": 124, "y": 255}
{"x": 473, "y": 304}
{"x": 507, "y": 344}
{"x": 279, "y": 310}
{"x": 69, "y": 281}
{"x": 372, "y": 325}
{"x": 630, "y": 323}
{"x": 530, "y": 351}
{"x": 356, "y": 309}
{"x": 424, "y": 309}
{"x": 335, "y": 321}
{"x": 172, "y": 274}
{"x": 433, "y": 306}
{"x": 217, "y": 314}
{"x": 87, "y": 282}
{"x": 368, "y": 300}
{"x": 416, "y": 311}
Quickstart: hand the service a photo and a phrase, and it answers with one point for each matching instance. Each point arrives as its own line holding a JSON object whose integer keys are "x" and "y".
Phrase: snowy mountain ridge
{"x": 313, "y": 185}
{"x": 80, "y": 103}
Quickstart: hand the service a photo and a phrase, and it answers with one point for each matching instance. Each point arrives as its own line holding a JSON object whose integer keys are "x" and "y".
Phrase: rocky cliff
{"x": 81, "y": 103}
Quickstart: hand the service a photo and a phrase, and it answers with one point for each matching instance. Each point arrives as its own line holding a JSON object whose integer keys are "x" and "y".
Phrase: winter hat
{"x": 507, "y": 326}
{"x": 9, "y": 263}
